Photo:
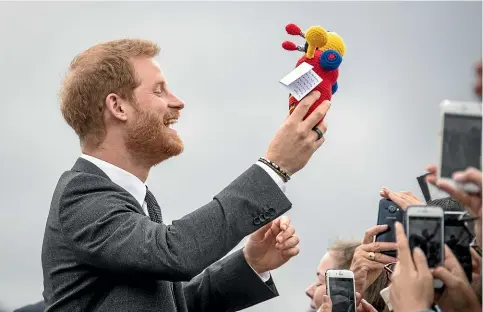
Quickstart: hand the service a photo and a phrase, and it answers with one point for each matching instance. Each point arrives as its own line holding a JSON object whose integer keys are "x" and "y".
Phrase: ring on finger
{"x": 319, "y": 132}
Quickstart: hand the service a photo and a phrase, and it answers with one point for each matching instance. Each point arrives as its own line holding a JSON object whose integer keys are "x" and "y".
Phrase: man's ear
{"x": 116, "y": 106}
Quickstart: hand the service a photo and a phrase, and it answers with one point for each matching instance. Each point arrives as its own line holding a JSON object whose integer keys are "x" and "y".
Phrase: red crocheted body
{"x": 329, "y": 77}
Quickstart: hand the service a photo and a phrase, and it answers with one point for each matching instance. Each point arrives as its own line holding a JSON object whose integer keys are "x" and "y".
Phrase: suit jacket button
{"x": 272, "y": 212}
{"x": 256, "y": 221}
{"x": 262, "y": 217}
{"x": 267, "y": 215}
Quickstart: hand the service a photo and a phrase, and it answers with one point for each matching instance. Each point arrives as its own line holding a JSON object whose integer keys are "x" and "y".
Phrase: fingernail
{"x": 457, "y": 175}
{"x": 365, "y": 302}
{"x": 325, "y": 299}
{"x": 317, "y": 93}
{"x": 418, "y": 250}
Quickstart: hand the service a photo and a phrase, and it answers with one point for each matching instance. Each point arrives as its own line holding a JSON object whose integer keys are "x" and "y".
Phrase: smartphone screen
{"x": 461, "y": 143}
{"x": 425, "y": 233}
{"x": 342, "y": 294}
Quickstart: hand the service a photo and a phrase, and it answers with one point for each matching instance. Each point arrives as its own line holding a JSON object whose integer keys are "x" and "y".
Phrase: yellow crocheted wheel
{"x": 335, "y": 42}
{"x": 316, "y": 37}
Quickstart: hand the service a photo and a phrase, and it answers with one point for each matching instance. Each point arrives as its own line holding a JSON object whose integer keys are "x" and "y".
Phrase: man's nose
{"x": 176, "y": 103}
{"x": 310, "y": 291}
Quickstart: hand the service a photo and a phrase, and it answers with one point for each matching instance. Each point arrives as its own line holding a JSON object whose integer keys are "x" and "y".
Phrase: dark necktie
{"x": 153, "y": 208}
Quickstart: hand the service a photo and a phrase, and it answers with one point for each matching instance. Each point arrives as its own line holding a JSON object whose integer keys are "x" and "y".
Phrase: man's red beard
{"x": 150, "y": 140}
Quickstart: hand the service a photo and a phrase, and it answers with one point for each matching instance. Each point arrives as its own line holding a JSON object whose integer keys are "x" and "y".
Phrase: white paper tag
{"x": 301, "y": 80}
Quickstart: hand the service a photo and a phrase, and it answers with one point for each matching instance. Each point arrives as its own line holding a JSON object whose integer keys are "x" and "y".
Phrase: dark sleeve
{"x": 228, "y": 285}
{"x": 102, "y": 227}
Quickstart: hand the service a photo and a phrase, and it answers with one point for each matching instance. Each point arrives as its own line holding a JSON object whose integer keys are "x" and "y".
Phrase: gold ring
{"x": 371, "y": 256}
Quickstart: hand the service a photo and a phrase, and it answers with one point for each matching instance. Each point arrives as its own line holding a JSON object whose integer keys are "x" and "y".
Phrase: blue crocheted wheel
{"x": 330, "y": 60}
{"x": 335, "y": 86}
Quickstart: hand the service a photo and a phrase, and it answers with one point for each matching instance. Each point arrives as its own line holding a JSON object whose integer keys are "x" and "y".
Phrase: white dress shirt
{"x": 137, "y": 188}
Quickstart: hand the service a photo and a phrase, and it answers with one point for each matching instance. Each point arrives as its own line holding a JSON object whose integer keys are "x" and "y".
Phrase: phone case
{"x": 388, "y": 214}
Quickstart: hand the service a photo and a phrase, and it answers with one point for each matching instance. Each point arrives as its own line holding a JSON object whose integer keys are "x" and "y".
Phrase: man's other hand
{"x": 272, "y": 245}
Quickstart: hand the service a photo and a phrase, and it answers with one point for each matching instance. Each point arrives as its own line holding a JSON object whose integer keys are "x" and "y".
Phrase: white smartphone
{"x": 425, "y": 229}
{"x": 341, "y": 289}
{"x": 460, "y": 140}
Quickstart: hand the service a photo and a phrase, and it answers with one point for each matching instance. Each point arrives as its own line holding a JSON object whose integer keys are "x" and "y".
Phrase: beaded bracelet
{"x": 285, "y": 177}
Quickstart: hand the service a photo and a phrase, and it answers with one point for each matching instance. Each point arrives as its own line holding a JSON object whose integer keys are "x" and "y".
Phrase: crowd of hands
{"x": 411, "y": 281}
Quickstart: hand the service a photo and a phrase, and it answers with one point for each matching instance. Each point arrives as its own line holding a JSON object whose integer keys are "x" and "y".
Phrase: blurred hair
{"x": 372, "y": 293}
{"x": 447, "y": 203}
{"x": 344, "y": 250}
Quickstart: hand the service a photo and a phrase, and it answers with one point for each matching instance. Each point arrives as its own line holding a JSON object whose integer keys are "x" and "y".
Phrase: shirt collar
{"x": 121, "y": 177}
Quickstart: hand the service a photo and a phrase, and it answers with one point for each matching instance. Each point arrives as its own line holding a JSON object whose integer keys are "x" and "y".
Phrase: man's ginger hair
{"x": 98, "y": 71}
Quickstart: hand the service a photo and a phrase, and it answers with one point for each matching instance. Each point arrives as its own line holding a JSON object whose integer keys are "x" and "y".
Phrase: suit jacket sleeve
{"x": 227, "y": 285}
{"x": 104, "y": 227}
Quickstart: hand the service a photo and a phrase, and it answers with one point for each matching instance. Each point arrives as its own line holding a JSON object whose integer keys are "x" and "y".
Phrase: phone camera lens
{"x": 392, "y": 209}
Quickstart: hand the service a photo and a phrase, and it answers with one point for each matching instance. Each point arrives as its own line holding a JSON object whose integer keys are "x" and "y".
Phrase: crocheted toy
{"x": 324, "y": 51}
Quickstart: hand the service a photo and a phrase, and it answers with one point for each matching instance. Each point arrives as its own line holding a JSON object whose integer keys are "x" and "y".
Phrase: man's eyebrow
{"x": 160, "y": 83}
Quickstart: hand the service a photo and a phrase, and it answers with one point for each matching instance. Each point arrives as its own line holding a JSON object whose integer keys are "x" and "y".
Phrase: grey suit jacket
{"x": 102, "y": 253}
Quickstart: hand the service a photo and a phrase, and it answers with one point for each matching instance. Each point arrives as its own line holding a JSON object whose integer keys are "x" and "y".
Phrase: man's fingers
{"x": 432, "y": 169}
{"x": 410, "y": 194}
{"x": 261, "y": 233}
{"x": 370, "y": 233}
{"x": 403, "y": 252}
{"x": 326, "y": 304}
{"x": 319, "y": 113}
{"x": 384, "y": 259}
{"x": 358, "y": 298}
{"x": 452, "y": 264}
{"x": 284, "y": 235}
{"x": 280, "y": 224}
{"x": 284, "y": 222}
{"x": 420, "y": 261}
{"x": 470, "y": 175}
{"x": 289, "y": 253}
{"x": 449, "y": 280}
{"x": 458, "y": 194}
{"x": 304, "y": 105}
{"x": 475, "y": 260}
{"x": 379, "y": 246}
{"x": 289, "y": 243}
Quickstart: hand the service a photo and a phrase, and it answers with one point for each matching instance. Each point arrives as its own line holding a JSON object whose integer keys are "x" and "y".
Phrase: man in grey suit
{"x": 105, "y": 246}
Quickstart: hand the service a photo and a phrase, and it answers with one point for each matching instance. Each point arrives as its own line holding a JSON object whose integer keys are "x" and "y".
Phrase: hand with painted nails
{"x": 402, "y": 199}
{"x": 368, "y": 262}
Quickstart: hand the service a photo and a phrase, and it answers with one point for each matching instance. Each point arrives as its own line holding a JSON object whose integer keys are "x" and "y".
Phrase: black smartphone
{"x": 458, "y": 236}
{"x": 388, "y": 214}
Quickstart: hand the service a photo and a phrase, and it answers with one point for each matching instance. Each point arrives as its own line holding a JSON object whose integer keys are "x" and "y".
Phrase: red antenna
{"x": 294, "y": 30}
{"x": 290, "y": 46}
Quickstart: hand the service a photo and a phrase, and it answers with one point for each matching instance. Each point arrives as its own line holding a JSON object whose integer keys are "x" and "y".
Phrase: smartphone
{"x": 460, "y": 140}
{"x": 341, "y": 289}
{"x": 458, "y": 235}
{"x": 388, "y": 214}
{"x": 425, "y": 229}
